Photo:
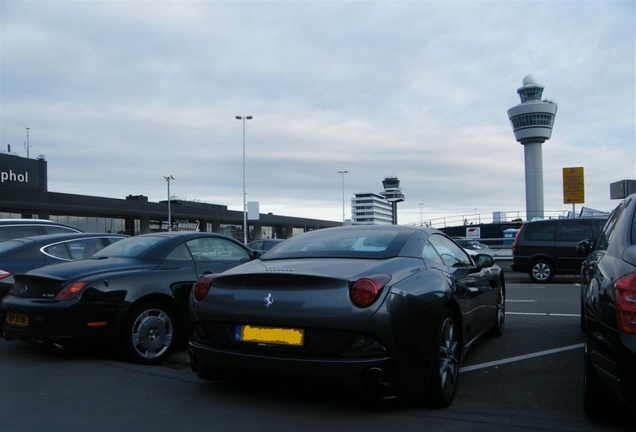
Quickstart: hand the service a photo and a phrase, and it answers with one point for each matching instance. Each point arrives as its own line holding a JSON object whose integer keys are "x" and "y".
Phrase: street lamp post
{"x": 27, "y": 143}
{"x": 243, "y": 118}
{"x": 343, "y": 195}
{"x": 168, "y": 178}
{"x": 420, "y": 204}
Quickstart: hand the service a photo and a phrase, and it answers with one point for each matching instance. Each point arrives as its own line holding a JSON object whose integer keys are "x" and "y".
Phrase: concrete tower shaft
{"x": 532, "y": 121}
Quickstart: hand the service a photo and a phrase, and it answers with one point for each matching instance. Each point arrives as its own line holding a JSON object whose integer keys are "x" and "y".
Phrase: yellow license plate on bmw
{"x": 19, "y": 320}
{"x": 270, "y": 335}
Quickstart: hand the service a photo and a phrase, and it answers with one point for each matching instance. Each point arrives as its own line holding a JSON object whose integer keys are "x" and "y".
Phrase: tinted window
{"x": 573, "y": 230}
{"x": 429, "y": 253}
{"x": 130, "y": 247}
{"x": 9, "y": 246}
{"x": 452, "y": 255}
{"x": 540, "y": 231}
{"x": 605, "y": 235}
{"x": 216, "y": 249}
{"x": 52, "y": 229}
{"x": 372, "y": 242}
{"x": 16, "y": 231}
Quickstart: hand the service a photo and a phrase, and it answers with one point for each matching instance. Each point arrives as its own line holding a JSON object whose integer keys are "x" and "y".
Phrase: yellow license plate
{"x": 270, "y": 335}
{"x": 19, "y": 320}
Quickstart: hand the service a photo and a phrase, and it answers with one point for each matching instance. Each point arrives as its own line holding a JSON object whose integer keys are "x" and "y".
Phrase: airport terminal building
{"x": 24, "y": 194}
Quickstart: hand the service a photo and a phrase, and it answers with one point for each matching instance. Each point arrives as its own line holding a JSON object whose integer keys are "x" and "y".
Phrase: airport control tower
{"x": 532, "y": 121}
{"x": 392, "y": 193}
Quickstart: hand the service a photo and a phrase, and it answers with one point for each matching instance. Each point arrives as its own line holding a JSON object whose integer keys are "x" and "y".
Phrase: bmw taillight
{"x": 626, "y": 303}
{"x": 201, "y": 288}
{"x": 71, "y": 290}
{"x": 364, "y": 292}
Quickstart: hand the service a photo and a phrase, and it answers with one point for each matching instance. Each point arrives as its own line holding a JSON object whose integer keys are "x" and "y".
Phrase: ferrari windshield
{"x": 348, "y": 242}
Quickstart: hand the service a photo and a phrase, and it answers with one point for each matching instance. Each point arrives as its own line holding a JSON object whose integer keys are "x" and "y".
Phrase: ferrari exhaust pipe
{"x": 375, "y": 374}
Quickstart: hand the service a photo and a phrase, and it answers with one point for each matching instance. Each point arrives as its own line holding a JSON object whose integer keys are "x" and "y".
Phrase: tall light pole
{"x": 243, "y": 118}
{"x": 343, "y": 202}
{"x": 168, "y": 178}
{"x": 27, "y": 143}
{"x": 420, "y": 204}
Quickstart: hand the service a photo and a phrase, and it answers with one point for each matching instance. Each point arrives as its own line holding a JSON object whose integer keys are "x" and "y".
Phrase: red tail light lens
{"x": 201, "y": 288}
{"x": 4, "y": 274}
{"x": 365, "y": 292}
{"x": 626, "y": 303}
{"x": 71, "y": 290}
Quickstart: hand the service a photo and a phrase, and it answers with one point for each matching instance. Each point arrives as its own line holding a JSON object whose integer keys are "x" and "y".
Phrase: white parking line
{"x": 519, "y": 358}
{"x": 542, "y": 314}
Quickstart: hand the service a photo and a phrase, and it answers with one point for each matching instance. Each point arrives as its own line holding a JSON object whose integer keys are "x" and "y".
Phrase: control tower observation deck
{"x": 532, "y": 121}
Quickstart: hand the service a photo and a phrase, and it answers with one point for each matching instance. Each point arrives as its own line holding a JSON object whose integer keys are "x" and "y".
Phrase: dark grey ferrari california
{"x": 383, "y": 312}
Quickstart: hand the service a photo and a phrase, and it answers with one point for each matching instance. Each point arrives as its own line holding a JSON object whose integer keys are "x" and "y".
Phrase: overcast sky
{"x": 119, "y": 94}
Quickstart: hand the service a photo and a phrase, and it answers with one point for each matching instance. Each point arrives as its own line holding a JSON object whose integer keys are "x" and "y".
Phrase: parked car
{"x": 383, "y": 311}
{"x": 23, "y": 254}
{"x": 15, "y": 228}
{"x": 467, "y": 243}
{"x": 544, "y": 248}
{"x": 608, "y": 312}
{"x": 132, "y": 295}
{"x": 263, "y": 245}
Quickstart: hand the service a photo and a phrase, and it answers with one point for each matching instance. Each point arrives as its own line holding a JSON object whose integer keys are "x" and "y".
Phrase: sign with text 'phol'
{"x": 573, "y": 186}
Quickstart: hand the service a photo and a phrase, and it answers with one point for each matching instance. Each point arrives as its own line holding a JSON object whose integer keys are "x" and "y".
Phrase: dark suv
{"x": 548, "y": 247}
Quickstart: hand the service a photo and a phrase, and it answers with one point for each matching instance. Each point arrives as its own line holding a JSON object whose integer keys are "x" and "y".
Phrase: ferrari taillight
{"x": 71, "y": 290}
{"x": 364, "y": 292}
{"x": 626, "y": 303}
{"x": 201, "y": 288}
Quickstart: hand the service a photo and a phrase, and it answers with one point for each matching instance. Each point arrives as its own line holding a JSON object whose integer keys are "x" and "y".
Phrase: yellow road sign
{"x": 573, "y": 186}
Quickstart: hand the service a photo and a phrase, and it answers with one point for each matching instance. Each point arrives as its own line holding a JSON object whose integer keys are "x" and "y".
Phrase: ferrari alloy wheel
{"x": 150, "y": 334}
{"x": 541, "y": 271}
{"x": 500, "y": 314}
{"x": 443, "y": 381}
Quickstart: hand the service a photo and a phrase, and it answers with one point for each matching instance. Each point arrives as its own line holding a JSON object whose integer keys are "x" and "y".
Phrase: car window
{"x": 452, "y": 255}
{"x": 429, "y": 253}
{"x": 10, "y": 245}
{"x": 74, "y": 249}
{"x": 9, "y": 232}
{"x": 603, "y": 240}
{"x": 53, "y": 229}
{"x": 540, "y": 232}
{"x": 216, "y": 249}
{"x": 130, "y": 247}
{"x": 372, "y": 242}
{"x": 257, "y": 245}
{"x": 58, "y": 250}
{"x": 180, "y": 253}
{"x": 573, "y": 230}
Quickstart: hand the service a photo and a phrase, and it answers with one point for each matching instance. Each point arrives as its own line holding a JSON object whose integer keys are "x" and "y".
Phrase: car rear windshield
{"x": 10, "y": 246}
{"x": 341, "y": 243}
{"x": 131, "y": 247}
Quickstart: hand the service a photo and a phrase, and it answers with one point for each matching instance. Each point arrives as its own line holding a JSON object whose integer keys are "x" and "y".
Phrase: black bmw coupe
{"x": 384, "y": 312}
{"x": 132, "y": 295}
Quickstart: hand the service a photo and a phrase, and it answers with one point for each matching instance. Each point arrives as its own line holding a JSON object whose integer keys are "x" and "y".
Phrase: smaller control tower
{"x": 393, "y": 194}
{"x": 532, "y": 121}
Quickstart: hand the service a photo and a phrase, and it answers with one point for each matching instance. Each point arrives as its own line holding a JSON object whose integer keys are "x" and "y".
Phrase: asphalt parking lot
{"x": 528, "y": 379}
